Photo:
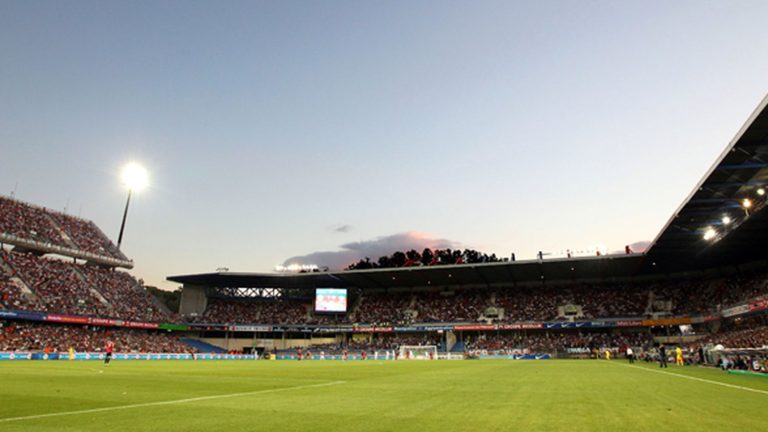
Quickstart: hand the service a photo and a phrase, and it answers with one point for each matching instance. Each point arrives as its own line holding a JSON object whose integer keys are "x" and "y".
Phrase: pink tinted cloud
{"x": 373, "y": 249}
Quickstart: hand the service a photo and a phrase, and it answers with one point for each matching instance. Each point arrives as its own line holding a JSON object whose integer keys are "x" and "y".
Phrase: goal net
{"x": 418, "y": 352}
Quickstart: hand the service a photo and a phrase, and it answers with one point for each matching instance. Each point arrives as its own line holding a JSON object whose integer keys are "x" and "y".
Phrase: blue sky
{"x": 502, "y": 126}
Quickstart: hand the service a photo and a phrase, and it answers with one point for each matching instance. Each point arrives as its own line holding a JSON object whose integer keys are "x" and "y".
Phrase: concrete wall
{"x": 193, "y": 300}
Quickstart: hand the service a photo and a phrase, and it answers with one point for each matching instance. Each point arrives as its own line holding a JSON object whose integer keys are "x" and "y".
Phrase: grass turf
{"x": 315, "y": 396}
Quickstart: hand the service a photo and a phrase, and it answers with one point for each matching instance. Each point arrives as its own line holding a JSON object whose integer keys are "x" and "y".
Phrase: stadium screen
{"x": 330, "y": 300}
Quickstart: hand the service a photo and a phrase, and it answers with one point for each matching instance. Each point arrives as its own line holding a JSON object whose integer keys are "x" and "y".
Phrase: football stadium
{"x": 668, "y": 336}
{"x": 673, "y": 338}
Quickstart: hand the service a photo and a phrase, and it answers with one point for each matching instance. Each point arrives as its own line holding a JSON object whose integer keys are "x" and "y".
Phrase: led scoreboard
{"x": 330, "y": 300}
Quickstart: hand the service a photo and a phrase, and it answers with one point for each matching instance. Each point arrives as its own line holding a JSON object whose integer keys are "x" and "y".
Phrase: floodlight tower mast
{"x": 125, "y": 216}
{"x": 135, "y": 178}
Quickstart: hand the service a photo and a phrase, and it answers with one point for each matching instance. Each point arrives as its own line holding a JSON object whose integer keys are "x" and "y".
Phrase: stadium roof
{"x": 717, "y": 204}
{"x": 741, "y": 172}
{"x": 465, "y": 275}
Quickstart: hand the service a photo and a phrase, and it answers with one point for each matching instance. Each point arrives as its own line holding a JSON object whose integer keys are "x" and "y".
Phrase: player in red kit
{"x": 109, "y": 349}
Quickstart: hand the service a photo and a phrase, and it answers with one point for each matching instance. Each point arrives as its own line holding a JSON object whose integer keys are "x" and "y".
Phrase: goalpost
{"x": 418, "y": 352}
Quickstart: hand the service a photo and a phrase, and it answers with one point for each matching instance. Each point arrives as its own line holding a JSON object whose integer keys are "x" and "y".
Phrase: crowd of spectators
{"x": 539, "y": 304}
{"x": 87, "y": 236}
{"x": 260, "y": 311}
{"x": 459, "y": 306}
{"x": 744, "y": 362}
{"x": 29, "y": 336}
{"x": 691, "y": 297}
{"x": 384, "y": 309}
{"x": 124, "y": 293}
{"x": 27, "y": 221}
{"x": 542, "y": 303}
{"x": 427, "y": 257}
{"x": 756, "y": 337}
{"x": 742, "y": 345}
{"x": 43, "y": 225}
{"x": 11, "y": 296}
{"x": 559, "y": 341}
{"x": 58, "y": 287}
{"x": 65, "y": 287}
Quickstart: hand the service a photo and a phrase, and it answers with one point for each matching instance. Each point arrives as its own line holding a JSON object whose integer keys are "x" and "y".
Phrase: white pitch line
{"x": 697, "y": 379}
{"x": 169, "y": 402}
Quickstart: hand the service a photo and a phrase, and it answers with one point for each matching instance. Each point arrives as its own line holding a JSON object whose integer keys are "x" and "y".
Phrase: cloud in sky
{"x": 640, "y": 246}
{"x": 373, "y": 249}
{"x": 341, "y": 228}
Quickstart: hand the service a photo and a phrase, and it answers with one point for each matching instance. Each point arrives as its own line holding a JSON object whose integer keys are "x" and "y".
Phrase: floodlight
{"x": 135, "y": 176}
{"x": 709, "y": 234}
{"x": 761, "y": 191}
{"x": 726, "y": 220}
{"x": 746, "y": 203}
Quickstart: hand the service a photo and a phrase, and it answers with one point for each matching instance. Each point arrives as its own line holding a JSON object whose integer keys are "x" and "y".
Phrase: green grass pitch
{"x": 314, "y": 396}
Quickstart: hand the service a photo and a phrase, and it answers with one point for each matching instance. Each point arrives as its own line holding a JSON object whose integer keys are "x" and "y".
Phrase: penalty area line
{"x": 168, "y": 402}
{"x": 733, "y": 386}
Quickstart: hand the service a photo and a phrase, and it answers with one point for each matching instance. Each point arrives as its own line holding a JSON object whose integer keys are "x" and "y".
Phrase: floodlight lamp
{"x": 709, "y": 234}
{"x": 761, "y": 191}
{"x": 746, "y": 203}
{"x": 135, "y": 177}
{"x": 726, "y": 220}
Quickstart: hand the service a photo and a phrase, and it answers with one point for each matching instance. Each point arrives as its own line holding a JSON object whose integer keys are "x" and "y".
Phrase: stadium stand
{"x": 68, "y": 288}
{"x": 254, "y": 311}
{"x": 546, "y": 303}
{"x": 44, "y": 226}
{"x": 552, "y": 341}
{"x": 125, "y": 294}
{"x": 28, "y": 336}
{"x": 57, "y": 285}
{"x": 383, "y": 309}
{"x": 11, "y": 296}
{"x": 31, "y": 281}
{"x": 752, "y": 335}
{"x": 28, "y": 221}
{"x": 87, "y": 236}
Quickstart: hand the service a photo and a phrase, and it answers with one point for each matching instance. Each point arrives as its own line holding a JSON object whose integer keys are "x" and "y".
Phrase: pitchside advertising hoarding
{"x": 77, "y": 319}
{"x": 390, "y": 355}
{"x": 121, "y": 356}
{"x": 330, "y": 300}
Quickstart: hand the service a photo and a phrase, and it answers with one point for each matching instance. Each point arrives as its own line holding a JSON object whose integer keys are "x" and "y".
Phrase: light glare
{"x": 747, "y": 203}
{"x": 761, "y": 191}
{"x": 709, "y": 234}
{"x": 726, "y": 220}
{"x": 135, "y": 177}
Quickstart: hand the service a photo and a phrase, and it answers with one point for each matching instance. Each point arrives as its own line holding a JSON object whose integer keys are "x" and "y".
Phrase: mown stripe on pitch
{"x": 169, "y": 402}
